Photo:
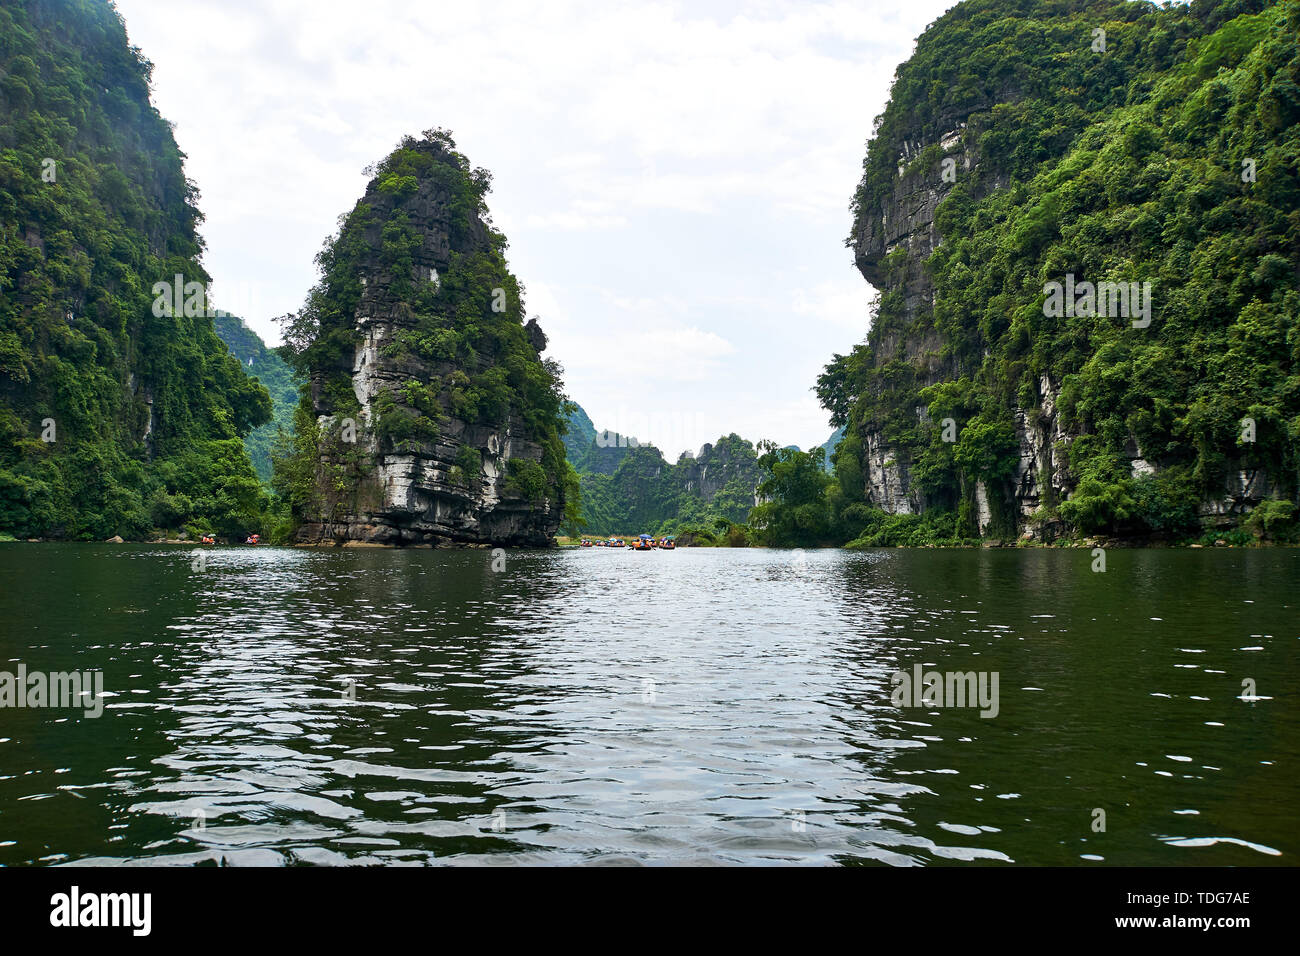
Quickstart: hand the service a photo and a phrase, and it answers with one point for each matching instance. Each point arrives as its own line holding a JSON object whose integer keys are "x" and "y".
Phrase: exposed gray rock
{"x": 715, "y": 466}
{"x": 536, "y": 337}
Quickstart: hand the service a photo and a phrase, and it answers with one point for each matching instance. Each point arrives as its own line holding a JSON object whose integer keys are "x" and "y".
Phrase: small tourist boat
{"x": 586, "y": 543}
{"x": 667, "y": 543}
{"x": 644, "y": 543}
{"x": 615, "y": 543}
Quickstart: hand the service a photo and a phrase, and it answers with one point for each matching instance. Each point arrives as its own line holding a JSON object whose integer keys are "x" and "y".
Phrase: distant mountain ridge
{"x": 263, "y": 365}
{"x": 628, "y": 486}
{"x": 829, "y": 447}
{"x": 578, "y": 435}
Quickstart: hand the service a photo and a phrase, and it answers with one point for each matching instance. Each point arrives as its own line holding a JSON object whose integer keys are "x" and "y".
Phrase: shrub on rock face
{"x": 987, "y": 451}
{"x": 470, "y": 462}
{"x": 1166, "y": 504}
{"x": 526, "y": 479}
{"x": 1272, "y": 521}
{"x": 1098, "y": 506}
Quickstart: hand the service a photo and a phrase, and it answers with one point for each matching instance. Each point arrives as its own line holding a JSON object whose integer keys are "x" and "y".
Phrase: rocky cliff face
{"x": 422, "y": 440}
{"x": 424, "y": 497}
{"x": 731, "y": 461}
{"x": 891, "y": 241}
{"x": 903, "y": 227}
{"x": 925, "y": 149}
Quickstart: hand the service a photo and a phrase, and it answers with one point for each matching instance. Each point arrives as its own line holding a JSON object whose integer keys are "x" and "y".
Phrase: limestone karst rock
{"x": 433, "y": 419}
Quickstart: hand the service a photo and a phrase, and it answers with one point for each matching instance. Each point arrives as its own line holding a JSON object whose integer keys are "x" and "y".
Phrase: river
{"x": 363, "y": 706}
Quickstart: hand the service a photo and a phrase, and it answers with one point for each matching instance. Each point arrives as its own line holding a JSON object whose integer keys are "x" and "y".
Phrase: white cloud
{"x": 843, "y": 303}
{"x": 573, "y": 219}
{"x": 674, "y": 178}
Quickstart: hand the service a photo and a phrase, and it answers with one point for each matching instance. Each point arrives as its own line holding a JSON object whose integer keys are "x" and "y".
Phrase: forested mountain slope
{"x": 266, "y": 366}
{"x": 1083, "y": 219}
{"x": 643, "y": 493}
{"x": 120, "y": 409}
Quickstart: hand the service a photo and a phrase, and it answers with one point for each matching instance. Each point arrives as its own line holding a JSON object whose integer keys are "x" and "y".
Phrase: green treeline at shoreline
{"x": 625, "y": 483}
{"x": 806, "y": 508}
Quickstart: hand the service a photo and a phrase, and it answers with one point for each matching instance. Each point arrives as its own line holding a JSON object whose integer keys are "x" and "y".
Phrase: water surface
{"x": 698, "y": 706}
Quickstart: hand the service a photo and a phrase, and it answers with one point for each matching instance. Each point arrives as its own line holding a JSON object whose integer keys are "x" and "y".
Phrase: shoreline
{"x": 984, "y": 545}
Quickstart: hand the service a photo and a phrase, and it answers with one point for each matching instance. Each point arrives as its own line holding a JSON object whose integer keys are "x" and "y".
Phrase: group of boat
{"x": 643, "y": 542}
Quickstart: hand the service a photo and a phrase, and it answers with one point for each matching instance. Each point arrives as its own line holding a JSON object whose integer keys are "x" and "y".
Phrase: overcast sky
{"x": 674, "y": 179}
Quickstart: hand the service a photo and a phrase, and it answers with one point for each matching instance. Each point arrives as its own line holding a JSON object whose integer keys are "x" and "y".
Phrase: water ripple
{"x": 288, "y": 707}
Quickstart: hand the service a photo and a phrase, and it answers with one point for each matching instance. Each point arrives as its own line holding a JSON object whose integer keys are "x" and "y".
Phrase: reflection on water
{"x": 697, "y": 706}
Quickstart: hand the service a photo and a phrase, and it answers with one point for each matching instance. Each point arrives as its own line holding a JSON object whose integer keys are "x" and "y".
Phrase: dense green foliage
{"x": 643, "y": 493}
{"x": 116, "y": 417}
{"x": 265, "y": 366}
{"x": 792, "y": 509}
{"x": 1127, "y": 165}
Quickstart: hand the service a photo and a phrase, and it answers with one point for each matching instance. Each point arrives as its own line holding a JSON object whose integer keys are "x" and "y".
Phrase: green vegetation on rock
{"x": 641, "y": 491}
{"x": 1171, "y": 156}
{"x": 455, "y": 360}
